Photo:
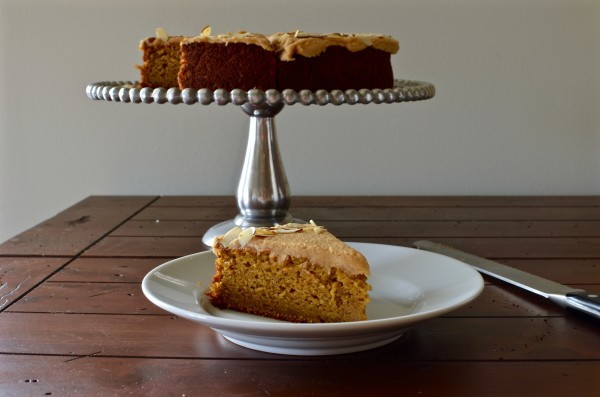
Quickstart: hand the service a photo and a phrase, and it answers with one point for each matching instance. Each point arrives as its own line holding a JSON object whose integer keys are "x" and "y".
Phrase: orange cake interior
{"x": 293, "y": 272}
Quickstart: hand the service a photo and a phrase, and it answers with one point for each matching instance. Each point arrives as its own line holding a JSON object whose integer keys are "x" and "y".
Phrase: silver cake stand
{"x": 263, "y": 194}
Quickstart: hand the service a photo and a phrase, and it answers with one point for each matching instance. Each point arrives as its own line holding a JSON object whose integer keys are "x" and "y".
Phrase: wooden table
{"x": 74, "y": 321}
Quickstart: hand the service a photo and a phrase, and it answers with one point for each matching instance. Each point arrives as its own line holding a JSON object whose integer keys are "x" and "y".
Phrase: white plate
{"x": 409, "y": 286}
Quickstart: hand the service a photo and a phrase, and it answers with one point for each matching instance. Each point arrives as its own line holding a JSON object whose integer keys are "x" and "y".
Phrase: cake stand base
{"x": 263, "y": 196}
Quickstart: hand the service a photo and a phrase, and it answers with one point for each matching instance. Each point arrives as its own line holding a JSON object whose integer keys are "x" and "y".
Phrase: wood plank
{"x": 494, "y": 248}
{"x": 113, "y": 335}
{"x": 107, "y": 270}
{"x": 111, "y": 270}
{"x": 163, "y": 228}
{"x": 74, "y": 229}
{"x": 372, "y": 213}
{"x": 322, "y": 215}
{"x": 127, "y": 298}
{"x": 446, "y": 338}
{"x": 446, "y": 201}
{"x": 432, "y": 229}
{"x": 146, "y": 247}
{"x": 510, "y": 248}
{"x": 195, "y": 201}
{"x": 345, "y": 229}
{"x": 19, "y": 275}
{"x": 64, "y": 376}
{"x": 501, "y": 300}
{"x": 564, "y": 271}
{"x": 394, "y": 201}
{"x": 160, "y": 214}
{"x": 89, "y": 298}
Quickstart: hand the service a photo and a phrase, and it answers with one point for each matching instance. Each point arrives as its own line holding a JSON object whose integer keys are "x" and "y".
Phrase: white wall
{"x": 516, "y": 111}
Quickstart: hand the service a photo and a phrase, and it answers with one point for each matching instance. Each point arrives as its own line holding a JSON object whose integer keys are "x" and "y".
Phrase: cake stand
{"x": 263, "y": 194}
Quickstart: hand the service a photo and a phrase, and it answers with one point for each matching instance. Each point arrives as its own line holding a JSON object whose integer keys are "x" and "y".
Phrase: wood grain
{"x": 489, "y": 338}
{"x": 19, "y": 275}
{"x": 76, "y": 228}
{"x": 75, "y": 322}
{"x": 93, "y": 376}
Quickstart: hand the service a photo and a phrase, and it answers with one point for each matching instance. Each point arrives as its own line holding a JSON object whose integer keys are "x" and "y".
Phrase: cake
{"x": 333, "y": 61}
{"x": 161, "y": 57}
{"x": 244, "y": 60}
{"x": 292, "y": 272}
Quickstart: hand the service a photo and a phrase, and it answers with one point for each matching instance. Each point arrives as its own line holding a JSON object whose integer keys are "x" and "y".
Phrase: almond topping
{"x": 263, "y": 232}
{"x": 162, "y": 35}
{"x": 286, "y": 230}
{"x": 206, "y": 31}
{"x": 245, "y": 236}
{"x": 231, "y": 235}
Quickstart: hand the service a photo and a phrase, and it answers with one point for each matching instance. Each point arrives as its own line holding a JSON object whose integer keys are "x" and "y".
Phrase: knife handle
{"x": 585, "y": 302}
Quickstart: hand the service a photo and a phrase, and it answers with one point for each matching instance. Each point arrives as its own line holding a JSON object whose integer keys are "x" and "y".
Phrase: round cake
{"x": 293, "y": 60}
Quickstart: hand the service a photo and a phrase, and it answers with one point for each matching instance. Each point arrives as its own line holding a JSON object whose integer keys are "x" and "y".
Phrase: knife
{"x": 562, "y": 295}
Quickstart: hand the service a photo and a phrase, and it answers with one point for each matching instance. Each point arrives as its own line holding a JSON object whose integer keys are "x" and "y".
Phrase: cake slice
{"x": 292, "y": 272}
{"x": 243, "y": 60}
{"x": 334, "y": 61}
{"x": 161, "y": 57}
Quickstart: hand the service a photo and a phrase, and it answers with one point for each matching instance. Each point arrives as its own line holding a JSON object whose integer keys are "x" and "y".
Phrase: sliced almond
{"x": 206, "y": 31}
{"x": 366, "y": 40}
{"x": 162, "y": 35}
{"x": 291, "y": 226}
{"x": 245, "y": 236}
{"x": 286, "y": 230}
{"x": 231, "y": 235}
{"x": 319, "y": 229}
{"x": 263, "y": 232}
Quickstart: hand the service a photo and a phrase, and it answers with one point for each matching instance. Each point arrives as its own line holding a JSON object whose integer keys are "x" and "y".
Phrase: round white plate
{"x": 409, "y": 286}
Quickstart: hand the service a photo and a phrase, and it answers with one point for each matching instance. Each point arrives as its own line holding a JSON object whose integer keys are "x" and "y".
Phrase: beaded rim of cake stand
{"x": 129, "y": 91}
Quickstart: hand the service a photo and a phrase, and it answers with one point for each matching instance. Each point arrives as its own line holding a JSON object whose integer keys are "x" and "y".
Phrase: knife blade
{"x": 562, "y": 295}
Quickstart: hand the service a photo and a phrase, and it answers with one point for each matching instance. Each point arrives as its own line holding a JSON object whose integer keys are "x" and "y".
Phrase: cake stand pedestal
{"x": 263, "y": 196}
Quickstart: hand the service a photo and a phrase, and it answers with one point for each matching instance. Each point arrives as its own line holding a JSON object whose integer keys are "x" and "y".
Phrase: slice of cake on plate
{"x": 292, "y": 272}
